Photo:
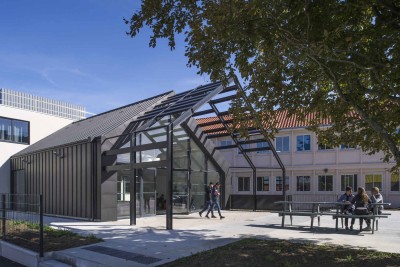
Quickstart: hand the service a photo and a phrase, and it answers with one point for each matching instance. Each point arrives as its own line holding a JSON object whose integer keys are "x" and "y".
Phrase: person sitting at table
{"x": 361, "y": 202}
{"x": 376, "y": 197}
{"x": 347, "y": 208}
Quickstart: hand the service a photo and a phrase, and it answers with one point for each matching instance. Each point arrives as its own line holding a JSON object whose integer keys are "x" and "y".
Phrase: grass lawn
{"x": 255, "y": 252}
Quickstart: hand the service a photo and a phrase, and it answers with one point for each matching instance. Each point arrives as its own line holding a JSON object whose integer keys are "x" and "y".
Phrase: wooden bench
{"x": 373, "y": 217}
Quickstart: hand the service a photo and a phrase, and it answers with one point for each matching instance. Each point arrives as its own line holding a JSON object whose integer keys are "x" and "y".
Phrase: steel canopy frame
{"x": 219, "y": 132}
{"x": 187, "y": 106}
{"x": 183, "y": 107}
{"x": 264, "y": 133}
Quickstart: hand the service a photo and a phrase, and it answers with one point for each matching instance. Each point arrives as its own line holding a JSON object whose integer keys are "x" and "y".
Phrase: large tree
{"x": 336, "y": 59}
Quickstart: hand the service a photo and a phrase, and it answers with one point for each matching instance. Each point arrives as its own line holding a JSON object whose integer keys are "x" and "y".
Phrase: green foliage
{"x": 349, "y": 258}
{"x": 93, "y": 237}
{"x": 337, "y": 60}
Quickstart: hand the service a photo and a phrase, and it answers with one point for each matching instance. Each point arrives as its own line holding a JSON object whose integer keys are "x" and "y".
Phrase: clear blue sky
{"x": 77, "y": 51}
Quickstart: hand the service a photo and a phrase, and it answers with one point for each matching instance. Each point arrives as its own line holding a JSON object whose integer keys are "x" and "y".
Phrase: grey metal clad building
{"x": 66, "y": 166}
{"x": 150, "y": 157}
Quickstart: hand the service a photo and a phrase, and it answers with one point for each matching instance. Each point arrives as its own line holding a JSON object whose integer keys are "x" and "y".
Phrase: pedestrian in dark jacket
{"x": 347, "y": 208}
{"x": 208, "y": 202}
{"x": 215, "y": 201}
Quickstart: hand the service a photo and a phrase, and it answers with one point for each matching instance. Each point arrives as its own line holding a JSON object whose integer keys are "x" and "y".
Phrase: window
{"x": 348, "y": 180}
{"x": 244, "y": 146}
{"x": 373, "y": 180}
{"x": 325, "y": 183}
{"x": 346, "y": 146}
{"x": 260, "y": 145}
{"x": 279, "y": 183}
{"x": 303, "y": 183}
{"x": 303, "y": 143}
{"x": 5, "y": 129}
{"x": 324, "y": 147}
{"x": 394, "y": 182}
{"x": 282, "y": 144}
{"x": 243, "y": 184}
{"x": 263, "y": 183}
{"x": 225, "y": 142}
{"x": 15, "y": 131}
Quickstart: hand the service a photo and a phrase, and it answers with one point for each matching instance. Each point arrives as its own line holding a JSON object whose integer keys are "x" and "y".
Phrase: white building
{"x": 25, "y": 119}
{"x": 313, "y": 172}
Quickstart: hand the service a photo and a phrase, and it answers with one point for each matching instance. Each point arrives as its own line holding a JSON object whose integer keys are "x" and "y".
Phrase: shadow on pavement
{"x": 8, "y": 263}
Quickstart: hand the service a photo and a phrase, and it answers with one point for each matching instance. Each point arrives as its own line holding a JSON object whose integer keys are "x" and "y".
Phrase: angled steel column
{"x": 230, "y": 131}
{"x": 255, "y": 189}
{"x": 263, "y": 131}
{"x": 169, "y": 178}
{"x": 132, "y": 185}
{"x": 189, "y": 178}
{"x": 223, "y": 183}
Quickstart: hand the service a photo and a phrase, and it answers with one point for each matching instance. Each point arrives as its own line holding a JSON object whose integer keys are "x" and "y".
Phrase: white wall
{"x": 41, "y": 125}
{"x": 311, "y": 163}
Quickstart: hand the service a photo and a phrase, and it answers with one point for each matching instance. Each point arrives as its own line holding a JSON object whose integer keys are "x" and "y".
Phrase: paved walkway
{"x": 149, "y": 244}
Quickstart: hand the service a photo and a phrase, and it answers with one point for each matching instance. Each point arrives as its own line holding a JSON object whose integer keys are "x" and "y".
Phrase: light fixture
{"x": 59, "y": 154}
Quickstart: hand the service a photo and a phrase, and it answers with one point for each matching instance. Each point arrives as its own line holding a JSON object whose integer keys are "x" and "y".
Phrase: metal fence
{"x": 22, "y": 220}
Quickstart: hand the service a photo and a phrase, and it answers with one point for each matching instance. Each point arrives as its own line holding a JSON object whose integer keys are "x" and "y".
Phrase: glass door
{"x": 123, "y": 195}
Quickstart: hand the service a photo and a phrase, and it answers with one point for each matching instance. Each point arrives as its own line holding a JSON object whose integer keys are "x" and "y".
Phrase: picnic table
{"x": 374, "y": 216}
{"x": 334, "y": 210}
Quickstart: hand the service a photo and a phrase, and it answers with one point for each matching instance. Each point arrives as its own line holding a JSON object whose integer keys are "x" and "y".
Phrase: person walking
{"x": 208, "y": 202}
{"x": 215, "y": 193}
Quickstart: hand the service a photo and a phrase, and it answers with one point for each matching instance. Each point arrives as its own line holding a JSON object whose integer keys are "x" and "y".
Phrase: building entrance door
{"x": 146, "y": 193}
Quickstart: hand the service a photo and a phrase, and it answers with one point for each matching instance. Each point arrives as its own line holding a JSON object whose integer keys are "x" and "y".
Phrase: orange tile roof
{"x": 284, "y": 121}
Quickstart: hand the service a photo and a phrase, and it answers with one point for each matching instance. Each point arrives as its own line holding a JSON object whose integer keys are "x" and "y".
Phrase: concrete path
{"x": 149, "y": 244}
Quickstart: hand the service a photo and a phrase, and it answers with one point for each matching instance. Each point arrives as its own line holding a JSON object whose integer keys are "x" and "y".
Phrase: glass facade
{"x": 191, "y": 172}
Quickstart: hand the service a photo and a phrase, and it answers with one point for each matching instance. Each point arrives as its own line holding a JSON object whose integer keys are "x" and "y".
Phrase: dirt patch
{"x": 53, "y": 239}
{"x": 254, "y": 252}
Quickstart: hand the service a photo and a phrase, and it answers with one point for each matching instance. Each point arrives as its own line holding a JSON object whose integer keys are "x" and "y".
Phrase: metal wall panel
{"x": 264, "y": 202}
{"x": 68, "y": 178}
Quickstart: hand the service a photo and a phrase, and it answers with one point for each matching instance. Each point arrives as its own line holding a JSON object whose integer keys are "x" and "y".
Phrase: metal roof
{"x": 96, "y": 126}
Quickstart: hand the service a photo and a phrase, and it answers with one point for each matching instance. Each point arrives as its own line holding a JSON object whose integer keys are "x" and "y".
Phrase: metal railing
{"x": 44, "y": 105}
{"x": 22, "y": 220}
